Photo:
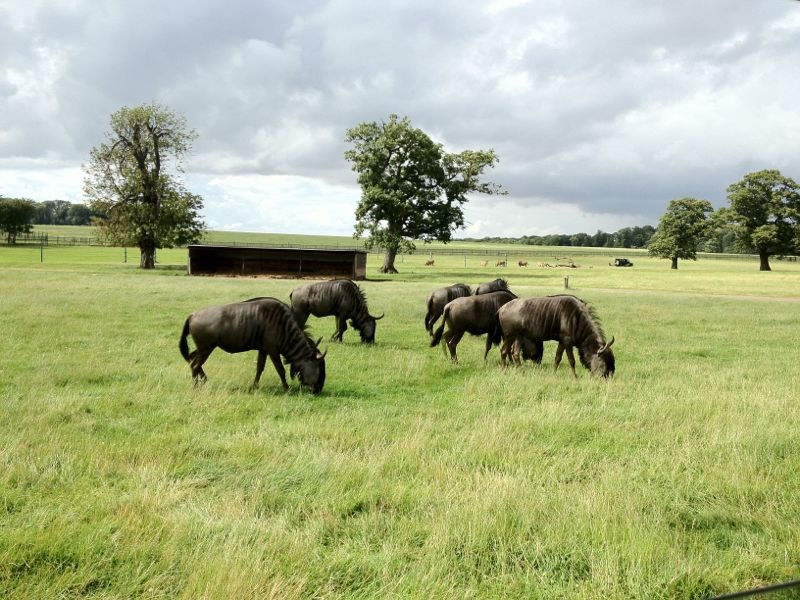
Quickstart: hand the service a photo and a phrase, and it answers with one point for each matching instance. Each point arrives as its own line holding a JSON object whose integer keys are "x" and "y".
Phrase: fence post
{"x": 566, "y": 282}
{"x": 41, "y": 251}
{"x": 125, "y": 258}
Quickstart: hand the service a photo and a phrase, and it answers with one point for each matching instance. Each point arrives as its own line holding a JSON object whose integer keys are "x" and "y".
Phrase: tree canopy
{"x": 680, "y": 230}
{"x": 410, "y": 187}
{"x": 765, "y": 211}
{"x": 131, "y": 179}
{"x": 16, "y": 216}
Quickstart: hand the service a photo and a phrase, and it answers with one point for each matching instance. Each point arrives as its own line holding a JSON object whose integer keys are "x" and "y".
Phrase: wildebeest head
{"x": 311, "y": 372}
{"x": 602, "y": 363}
{"x": 498, "y": 285}
{"x": 366, "y": 328}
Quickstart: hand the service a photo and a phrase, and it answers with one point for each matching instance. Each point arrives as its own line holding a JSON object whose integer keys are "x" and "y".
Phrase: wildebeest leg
{"x": 559, "y": 354}
{"x": 262, "y": 360}
{"x": 504, "y": 352}
{"x": 516, "y": 350}
{"x": 341, "y": 327}
{"x": 489, "y": 337}
{"x": 276, "y": 360}
{"x": 196, "y": 360}
{"x": 452, "y": 342}
{"x": 571, "y": 358}
{"x": 430, "y": 323}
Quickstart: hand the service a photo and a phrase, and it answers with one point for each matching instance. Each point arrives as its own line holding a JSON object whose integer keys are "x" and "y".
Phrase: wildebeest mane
{"x": 586, "y": 323}
{"x": 303, "y": 328}
{"x": 590, "y": 318}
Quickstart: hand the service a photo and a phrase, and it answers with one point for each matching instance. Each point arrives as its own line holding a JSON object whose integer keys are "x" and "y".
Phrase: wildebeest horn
{"x": 606, "y": 346}
{"x": 321, "y": 356}
{"x": 379, "y": 318}
{"x": 317, "y": 343}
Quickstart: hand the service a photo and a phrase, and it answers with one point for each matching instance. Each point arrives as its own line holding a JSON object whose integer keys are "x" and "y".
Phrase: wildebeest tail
{"x": 437, "y": 335}
{"x": 183, "y": 345}
{"x": 496, "y": 332}
{"x": 428, "y": 314}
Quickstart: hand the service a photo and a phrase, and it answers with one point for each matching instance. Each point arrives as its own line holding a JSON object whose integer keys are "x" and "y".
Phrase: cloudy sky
{"x": 600, "y": 112}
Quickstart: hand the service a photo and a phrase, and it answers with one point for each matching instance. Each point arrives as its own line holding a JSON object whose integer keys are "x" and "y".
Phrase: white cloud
{"x": 277, "y": 203}
{"x": 600, "y": 113}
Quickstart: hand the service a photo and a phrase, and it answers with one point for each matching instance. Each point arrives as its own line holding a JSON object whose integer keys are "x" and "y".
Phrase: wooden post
{"x": 566, "y": 282}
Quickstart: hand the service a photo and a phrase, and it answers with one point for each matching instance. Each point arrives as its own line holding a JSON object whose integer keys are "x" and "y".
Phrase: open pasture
{"x": 408, "y": 476}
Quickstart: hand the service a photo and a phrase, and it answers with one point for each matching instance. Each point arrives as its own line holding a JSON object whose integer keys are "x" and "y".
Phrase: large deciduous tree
{"x": 16, "y": 216}
{"x": 765, "y": 210}
{"x": 132, "y": 179}
{"x": 680, "y": 230}
{"x": 411, "y": 189}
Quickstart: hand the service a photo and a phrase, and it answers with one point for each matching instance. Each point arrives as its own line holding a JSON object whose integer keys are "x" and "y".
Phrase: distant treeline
{"x": 61, "y": 212}
{"x": 718, "y": 240}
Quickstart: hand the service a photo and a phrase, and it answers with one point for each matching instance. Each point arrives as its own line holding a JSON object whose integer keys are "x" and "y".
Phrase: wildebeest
{"x": 341, "y": 298}
{"x": 523, "y": 263}
{"x": 564, "y": 318}
{"x": 500, "y": 263}
{"x": 471, "y": 314}
{"x": 263, "y": 324}
{"x": 429, "y": 263}
{"x": 438, "y": 298}
{"x": 492, "y": 286}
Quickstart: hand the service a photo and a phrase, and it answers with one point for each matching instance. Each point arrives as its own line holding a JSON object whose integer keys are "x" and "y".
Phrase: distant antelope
{"x": 429, "y": 263}
{"x": 484, "y": 263}
{"x": 500, "y": 263}
{"x": 523, "y": 263}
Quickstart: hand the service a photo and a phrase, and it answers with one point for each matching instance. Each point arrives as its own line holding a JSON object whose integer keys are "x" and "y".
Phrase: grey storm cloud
{"x": 614, "y": 108}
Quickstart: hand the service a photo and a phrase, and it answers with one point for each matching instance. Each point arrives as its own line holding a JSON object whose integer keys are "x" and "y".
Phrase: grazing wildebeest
{"x": 497, "y": 285}
{"x": 340, "y": 297}
{"x": 523, "y": 263}
{"x": 438, "y": 298}
{"x": 429, "y": 263}
{"x": 500, "y": 263}
{"x": 263, "y": 324}
{"x": 471, "y": 314}
{"x": 567, "y": 319}
{"x": 484, "y": 263}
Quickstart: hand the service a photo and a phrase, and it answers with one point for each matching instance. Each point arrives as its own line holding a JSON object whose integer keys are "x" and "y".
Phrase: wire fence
{"x": 43, "y": 242}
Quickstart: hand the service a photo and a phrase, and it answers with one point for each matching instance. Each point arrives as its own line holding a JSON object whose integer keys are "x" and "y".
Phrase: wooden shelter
{"x": 286, "y": 262}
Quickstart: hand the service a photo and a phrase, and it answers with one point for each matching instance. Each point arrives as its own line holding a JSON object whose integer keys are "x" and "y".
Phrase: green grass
{"x": 408, "y": 476}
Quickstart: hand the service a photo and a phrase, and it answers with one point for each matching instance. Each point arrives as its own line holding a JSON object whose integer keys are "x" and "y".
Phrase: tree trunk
{"x": 147, "y": 258}
{"x": 674, "y": 262}
{"x": 764, "y": 259}
{"x": 388, "y": 261}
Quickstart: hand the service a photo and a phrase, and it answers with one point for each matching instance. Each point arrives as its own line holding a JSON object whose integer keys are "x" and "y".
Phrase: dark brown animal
{"x": 500, "y": 263}
{"x": 437, "y": 300}
{"x": 475, "y": 315}
{"x": 497, "y": 285}
{"x": 523, "y": 263}
{"x": 429, "y": 263}
{"x": 564, "y": 318}
{"x": 262, "y": 324}
{"x": 341, "y": 298}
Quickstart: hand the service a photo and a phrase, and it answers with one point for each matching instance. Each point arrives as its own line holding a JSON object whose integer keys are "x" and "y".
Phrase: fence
{"x": 536, "y": 253}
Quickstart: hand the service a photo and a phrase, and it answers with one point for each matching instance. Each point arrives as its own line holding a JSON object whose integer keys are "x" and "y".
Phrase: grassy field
{"x": 408, "y": 476}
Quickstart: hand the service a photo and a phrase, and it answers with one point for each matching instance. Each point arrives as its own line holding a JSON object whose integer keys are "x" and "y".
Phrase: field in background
{"x": 408, "y": 476}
